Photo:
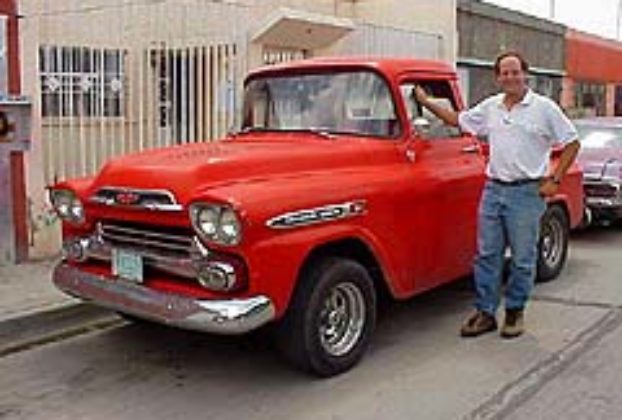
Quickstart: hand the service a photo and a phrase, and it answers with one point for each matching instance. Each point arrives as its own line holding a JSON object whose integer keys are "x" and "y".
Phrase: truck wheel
{"x": 553, "y": 245}
{"x": 331, "y": 317}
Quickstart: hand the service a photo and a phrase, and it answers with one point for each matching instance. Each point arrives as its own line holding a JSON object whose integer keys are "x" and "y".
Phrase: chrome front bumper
{"x": 595, "y": 200}
{"x": 224, "y": 316}
{"x": 604, "y": 203}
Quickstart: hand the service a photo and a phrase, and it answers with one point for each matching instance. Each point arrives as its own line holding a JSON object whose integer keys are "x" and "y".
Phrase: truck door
{"x": 448, "y": 175}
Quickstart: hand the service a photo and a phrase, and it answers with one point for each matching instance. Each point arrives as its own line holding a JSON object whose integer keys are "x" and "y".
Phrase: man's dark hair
{"x": 523, "y": 63}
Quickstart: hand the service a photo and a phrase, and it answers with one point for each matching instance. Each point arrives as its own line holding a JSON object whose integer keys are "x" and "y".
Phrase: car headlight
{"x": 216, "y": 223}
{"x": 67, "y": 205}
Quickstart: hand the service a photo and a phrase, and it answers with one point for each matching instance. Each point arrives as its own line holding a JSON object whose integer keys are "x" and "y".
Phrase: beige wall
{"x": 438, "y": 17}
{"x": 432, "y": 17}
{"x": 611, "y": 99}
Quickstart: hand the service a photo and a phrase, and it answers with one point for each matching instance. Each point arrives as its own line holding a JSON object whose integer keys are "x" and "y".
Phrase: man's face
{"x": 511, "y": 78}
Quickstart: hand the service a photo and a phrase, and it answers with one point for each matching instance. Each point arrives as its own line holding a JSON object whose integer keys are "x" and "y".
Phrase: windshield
{"x": 594, "y": 137}
{"x": 356, "y": 102}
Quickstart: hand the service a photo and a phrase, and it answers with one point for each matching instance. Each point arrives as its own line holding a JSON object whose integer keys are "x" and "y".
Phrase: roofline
{"x": 519, "y": 18}
{"x": 374, "y": 64}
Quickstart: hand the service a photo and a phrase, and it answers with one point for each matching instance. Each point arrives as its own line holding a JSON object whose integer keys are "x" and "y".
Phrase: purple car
{"x": 601, "y": 161}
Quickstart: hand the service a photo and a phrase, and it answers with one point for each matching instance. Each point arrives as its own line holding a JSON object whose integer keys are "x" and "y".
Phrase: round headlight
{"x": 67, "y": 205}
{"x": 76, "y": 210}
{"x": 207, "y": 221}
{"x": 216, "y": 223}
{"x": 229, "y": 230}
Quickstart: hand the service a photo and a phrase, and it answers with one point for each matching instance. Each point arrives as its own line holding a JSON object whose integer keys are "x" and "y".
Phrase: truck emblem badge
{"x": 315, "y": 215}
{"x": 126, "y": 198}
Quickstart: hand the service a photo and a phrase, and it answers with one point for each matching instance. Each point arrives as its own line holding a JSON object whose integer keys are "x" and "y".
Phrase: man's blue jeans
{"x": 509, "y": 215}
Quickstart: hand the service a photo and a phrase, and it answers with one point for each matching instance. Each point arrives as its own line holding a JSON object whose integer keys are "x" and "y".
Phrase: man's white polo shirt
{"x": 521, "y": 138}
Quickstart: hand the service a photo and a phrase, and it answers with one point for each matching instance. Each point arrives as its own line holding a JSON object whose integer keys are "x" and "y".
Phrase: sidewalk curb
{"x": 52, "y": 324}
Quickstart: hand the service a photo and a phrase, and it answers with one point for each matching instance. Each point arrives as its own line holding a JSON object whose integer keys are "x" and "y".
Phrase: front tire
{"x": 553, "y": 244}
{"x": 331, "y": 317}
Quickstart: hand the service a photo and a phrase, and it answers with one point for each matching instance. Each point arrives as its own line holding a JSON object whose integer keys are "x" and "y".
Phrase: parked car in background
{"x": 338, "y": 188}
{"x": 601, "y": 161}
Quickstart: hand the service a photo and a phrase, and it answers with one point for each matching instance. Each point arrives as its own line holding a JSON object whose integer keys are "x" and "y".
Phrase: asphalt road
{"x": 568, "y": 365}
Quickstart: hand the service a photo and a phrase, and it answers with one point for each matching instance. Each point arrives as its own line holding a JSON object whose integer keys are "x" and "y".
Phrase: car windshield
{"x": 595, "y": 137}
{"x": 349, "y": 102}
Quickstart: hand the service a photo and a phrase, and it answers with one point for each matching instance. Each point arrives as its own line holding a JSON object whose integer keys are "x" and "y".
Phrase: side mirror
{"x": 421, "y": 125}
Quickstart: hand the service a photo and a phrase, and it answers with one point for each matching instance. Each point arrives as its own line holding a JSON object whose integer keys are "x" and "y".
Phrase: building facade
{"x": 593, "y": 83}
{"x": 485, "y": 30}
{"x": 111, "y": 77}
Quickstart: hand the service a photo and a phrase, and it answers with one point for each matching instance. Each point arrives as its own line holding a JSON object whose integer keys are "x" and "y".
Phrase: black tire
{"x": 553, "y": 244}
{"x": 299, "y": 334}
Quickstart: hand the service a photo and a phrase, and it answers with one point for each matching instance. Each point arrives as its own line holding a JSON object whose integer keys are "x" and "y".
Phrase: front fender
{"x": 276, "y": 261}
{"x": 275, "y": 255}
{"x": 571, "y": 196}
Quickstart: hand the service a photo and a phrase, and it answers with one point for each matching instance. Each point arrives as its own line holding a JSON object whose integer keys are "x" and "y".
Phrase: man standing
{"x": 521, "y": 127}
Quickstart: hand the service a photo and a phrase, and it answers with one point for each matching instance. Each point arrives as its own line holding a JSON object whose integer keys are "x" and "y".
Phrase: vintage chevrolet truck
{"x": 337, "y": 188}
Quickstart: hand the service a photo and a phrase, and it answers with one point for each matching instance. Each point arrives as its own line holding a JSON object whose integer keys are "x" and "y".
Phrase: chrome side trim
{"x": 306, "y": 217}
{"x": 222, "y": 316}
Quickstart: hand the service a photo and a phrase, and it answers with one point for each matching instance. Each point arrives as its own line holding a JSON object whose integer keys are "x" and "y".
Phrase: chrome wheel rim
{"x": 342, "y": 319}
{"x": 552, "y": 244}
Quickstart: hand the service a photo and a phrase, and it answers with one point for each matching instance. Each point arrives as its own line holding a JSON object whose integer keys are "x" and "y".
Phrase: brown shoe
{"x": 514, "y": 324}
{"x": 477, "y": 324}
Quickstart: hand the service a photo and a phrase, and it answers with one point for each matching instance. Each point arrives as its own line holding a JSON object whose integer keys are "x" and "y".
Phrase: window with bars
{"x": 81, "y": 81}
{"x": 276, "y": 55}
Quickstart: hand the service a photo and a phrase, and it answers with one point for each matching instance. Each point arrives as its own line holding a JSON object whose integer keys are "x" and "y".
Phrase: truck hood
{"x": 597, "y": 163}
{"x": 188, "y": 169}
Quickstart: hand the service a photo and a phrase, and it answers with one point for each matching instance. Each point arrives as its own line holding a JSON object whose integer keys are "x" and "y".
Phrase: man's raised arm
{"x": 449, "y": 116}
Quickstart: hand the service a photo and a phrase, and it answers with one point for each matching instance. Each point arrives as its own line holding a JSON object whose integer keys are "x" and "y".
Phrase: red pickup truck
{"x": 337, "y": 188}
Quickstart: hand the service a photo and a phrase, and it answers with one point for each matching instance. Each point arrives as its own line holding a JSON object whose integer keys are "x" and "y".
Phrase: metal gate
{"x": 118, "y": 76}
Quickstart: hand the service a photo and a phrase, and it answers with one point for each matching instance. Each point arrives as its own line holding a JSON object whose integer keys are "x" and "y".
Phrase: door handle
{"x": 471, "y": 148}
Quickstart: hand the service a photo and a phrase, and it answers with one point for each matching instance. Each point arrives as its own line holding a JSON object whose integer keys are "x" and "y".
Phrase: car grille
{"x": 148, "y": 239}
{"x": 161, "y": 200}
{"x": 600, "y": 190}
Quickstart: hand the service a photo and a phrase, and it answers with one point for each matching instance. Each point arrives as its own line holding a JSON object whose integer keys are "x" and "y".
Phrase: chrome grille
{"x": 148, "y": 239}
{"x": 160, "y": 200}
{"x": 601, "y": 190}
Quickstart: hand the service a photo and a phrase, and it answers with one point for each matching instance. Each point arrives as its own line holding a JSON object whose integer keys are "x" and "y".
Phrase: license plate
{"x": 127, "y": 265}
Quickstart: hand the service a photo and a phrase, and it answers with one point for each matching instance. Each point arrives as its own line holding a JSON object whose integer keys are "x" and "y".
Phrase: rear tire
{"x": 553, "y": 244}
{"x": 331, "y": 317}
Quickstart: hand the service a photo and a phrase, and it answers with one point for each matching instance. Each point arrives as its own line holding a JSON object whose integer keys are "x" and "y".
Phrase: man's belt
{"x": 515, "y": 182}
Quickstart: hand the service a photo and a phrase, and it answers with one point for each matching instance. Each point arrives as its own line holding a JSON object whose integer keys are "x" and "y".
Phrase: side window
{"x": 427, "y": 124}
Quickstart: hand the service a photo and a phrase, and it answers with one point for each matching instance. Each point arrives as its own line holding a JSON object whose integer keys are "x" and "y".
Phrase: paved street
{"x": 568, "y": 366}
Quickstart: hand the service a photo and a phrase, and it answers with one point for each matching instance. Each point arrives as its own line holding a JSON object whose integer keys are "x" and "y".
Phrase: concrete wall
{"x": 486, "y": 30}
